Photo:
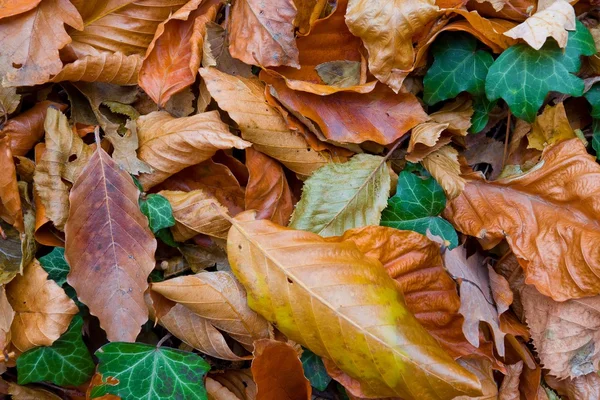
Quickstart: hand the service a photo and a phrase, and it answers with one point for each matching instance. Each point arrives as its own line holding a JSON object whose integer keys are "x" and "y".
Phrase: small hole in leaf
{"x": 289, "y": 280}
{"x": 72, "y": 157}
{"x": 17, "y": 65}
{"x": 240, "y": 246}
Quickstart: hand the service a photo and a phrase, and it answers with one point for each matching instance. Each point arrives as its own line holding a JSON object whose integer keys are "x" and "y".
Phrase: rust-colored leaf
{"x": 115, "y": 68}
{"x": 10, "y": 8}
{"x": 10, "y": 200}
{"x": 232, "y": 382}
{"x": 108, "y": 240}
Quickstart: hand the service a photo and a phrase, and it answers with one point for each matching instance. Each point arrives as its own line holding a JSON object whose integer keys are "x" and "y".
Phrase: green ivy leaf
{"x": 314, "y": 370}
{"x": 596, "y": 137}
{"x": 593, "y": 97}
{"x": 56, "y": 266}
{"x": 481, "y": 111}
{"x": 457, "y": 67}
{"x": 167, "y": 237}
{"x": 66, "y": 363}
{"x": 140, "y": 371}
{"x": 416, "y": 207}
{"x": 159, "y": 212}
{"x": 523, "y": 76}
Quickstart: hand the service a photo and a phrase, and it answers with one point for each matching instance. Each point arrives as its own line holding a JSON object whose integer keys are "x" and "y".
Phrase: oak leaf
{"x": 43, "y": 311}
{"x": 314, "y": 281}
{"x": 116, "y": 68}
{"x": 278, "y": 372}
{"x": 171, "y": 144}
{"x": 220, "y": 299}
{"x": 262, "y": 33}
{"x": 387, "y": 29}
{"x": 107, "y": 240}
{"x": 555, "y": 201}
{"x": 550, "y": 127}
{"x": 34, "y": 58}
{"x": 268, "y": 191}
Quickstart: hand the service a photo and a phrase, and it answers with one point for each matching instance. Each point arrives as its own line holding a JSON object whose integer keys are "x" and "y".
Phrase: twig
{"x": 164, "y": 339}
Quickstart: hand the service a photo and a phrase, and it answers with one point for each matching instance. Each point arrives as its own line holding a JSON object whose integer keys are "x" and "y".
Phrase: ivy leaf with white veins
{"x": 159, "y": 212}
{"x": 66, "y": 363}
{"x": 56, "y": 266}
{"x": 140, "y": 371}
{"x": 523, "y": 76}
{"x": 416, "y": 207}
{"x": 481, "y": 111}
{"x": 338, "y": 197}
{"x": 458, "y": 67}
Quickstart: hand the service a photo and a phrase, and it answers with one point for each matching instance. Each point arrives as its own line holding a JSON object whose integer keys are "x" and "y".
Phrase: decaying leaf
{"x": 10, "y": 200}
{"x": 237, "y": 383}
{"x": 550, "y": 127}
{"x": 7, "y": 314}
{"x": 444, "y": 166}
{"x": 107, "y": 240}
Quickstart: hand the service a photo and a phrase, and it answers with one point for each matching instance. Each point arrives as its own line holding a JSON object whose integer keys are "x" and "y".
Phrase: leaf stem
{"x": 164, "y": 339}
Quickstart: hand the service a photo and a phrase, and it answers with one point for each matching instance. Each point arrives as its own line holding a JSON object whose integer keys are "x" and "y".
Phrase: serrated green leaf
{"x": 140, "y": 371}
{"x": 66, "y": 363}
{"x": 481, "y": 111}
{"x": 523, "y": 76}
{"x": 416, "y": 207}
{"x": 593, "y": 97}
{"x": 314, "y": 370}
{"x": 56, "y": 266}
{"x": 338, "y": 197}
{"x": 457, "y": 67}
{"x": 159, "y": 212}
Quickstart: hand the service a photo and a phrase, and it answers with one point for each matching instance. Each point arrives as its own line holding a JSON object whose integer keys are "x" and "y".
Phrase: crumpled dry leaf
{"x": 483, "y": 370}
{"x": 65, "y": 156}
{"x": 335, "y": 281}
{"x": 263, "y": 33}
{"x": 43, "y": 310}
{"x": 107, "y": 240}
{"x": 215, "y": 53}
{"x": 268, "y": 191}
{"x": 10, "y": 8}
{"x": 552, "y": 19}
{"x": 173, "y": 57}
{"x": 477, "y": 303}
{"x": 196, "y": 212}
{"x": 125, "y": 147}
{"x": 201, "y": 257}
{"x": 444, "y": 166}
{"x": 171, "y": 144}
{"x": 237, "y": 382}
{"x": 509, "y": 389}
{"x": 488, "y": 30}
{"x": 387, "y": 29}
{"x": 554, "y": 203}
{"x": 116, "y": 68}
{"x": 483, "y": 149}
{"x": 220, "y": 299}
{"x": 9, "y": 100}
{"x": 584, "y": 387}
{"x": 266, "y": 129}
{"x": 19, "y": 392}
{"x": 7, "y": 315}
{"x": 34, "y": 58}
{"x": 10, "y": 200}
{"x": 11, "y": 253}
{"x": 308, "y": 13}
{"x": 278, "y": 373}
{"x": 550, "y": 127}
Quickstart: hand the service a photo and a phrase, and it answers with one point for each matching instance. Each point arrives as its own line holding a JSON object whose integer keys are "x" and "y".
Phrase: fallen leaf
{"x": 482, "y": 149}
{"x": 171, "y": 144}
{"x": 266, "y": 130}
{"x": 308, "y": 13}
{"x": 483, "y": 370}
{"x": 259, "y": 248}
{"x": 584, "y": 387}
{"x": 444, "y": 166}
{"x": 215, "y": 53}
{"x": 550, "y": 127}
{"x": 9, "y": 100}
{"x": 19, "y": 392}
{"x": 10, "y": 200}
{"x": 263, "y": 34}
{"x": 553, "y": 18}
{"x": 559, "y": 210}
{"x": 107, "y": 240}
{"x": 501, "y": 292}
{"x": 509, "y": 390}
{"x": 125, "y": 147}
{"x": 220, "y": 299}
{"x": 477, "y": 303}
{"x": 340, "y": 74}
{"x": 34, "y": 58}
{"x": 278, "y": 372}
{"x": 268, "y": 191}
{"x": 42, "y": 309}
{"x": 339, "y": 197}
{"x": 8, "y": 9}
{"x": 488, "y": 30}
{"x": 173, "y": 57}
{"x": 238, "y": 383}
{"x": 7, "y": 316}
{"x": 115, "y": 68}
{"x": 397, "y": 22}
{"x": 201, "y": 257}
{"x": 11, "y": 254}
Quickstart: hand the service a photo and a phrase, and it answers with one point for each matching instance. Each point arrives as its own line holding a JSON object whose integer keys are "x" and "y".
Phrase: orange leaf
{"x": 556, "y": 202}
{"x": 173, "y": 57}
{"x": 267, "y": 190}
{"x": 108, "y": 242}
{"x": 115, "y": 68}
{"x": 278, "y": 372}
{"x": 10, "y": 200}
{"x": 10, "y": 8}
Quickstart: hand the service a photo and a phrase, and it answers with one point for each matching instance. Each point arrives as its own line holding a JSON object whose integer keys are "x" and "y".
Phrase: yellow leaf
{"x": 443, "y": 165}
{"x": 550, "y": 127}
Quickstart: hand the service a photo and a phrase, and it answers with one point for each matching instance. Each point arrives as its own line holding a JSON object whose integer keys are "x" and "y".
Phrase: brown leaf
{"x": 477, "y": 303}
{"x": 267, "y": 191}
{"x": 171, "y": 144}
{"x": 483, "y": 149}
{"x": 483, "y": 370}
{"x": 220, "y": 299}
{"x": 43, "y": 311}
{"x": 215, "y": 53}
{"x": 7, "y": 315}
{"x": 105, "y": 21}
{"x": 10, "y": 8}
{"x": 65, "y": 156}
{"x": 27, "y": 128}
{"x": 10, "y": 200}
{"x": 309, "y": 12}
{"x": 278, "y": 372}
{"x": 260, "y": 123}
{"x": 116, "y": 68}
{"x": 238, "y": 382}
{"x": 33, "y": 58}
{"x": 108, "y": 241}
{"x": 488, "y": 30}
{"x": 537, "y": 212}
{"x": 173, "y": 57}
{"x": 9, "y": 100}
{"x": 584, "y": 387}
{"x": 509, "y": 390}
{"x": 125, "y": 147}
{"x": 550, "y": 127}
{"x": 398, "y": 22}
{"x": 565, "y": 334}
{"x": 444, "y": 166}
{"x": 201, "y": 257}
{"x": 196, "y": 212}
{"x": 11, "y": 253}
{"x": 19, "y": 392}
{"x": 262, "y": 33}
{"x": 381, "y": 116}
